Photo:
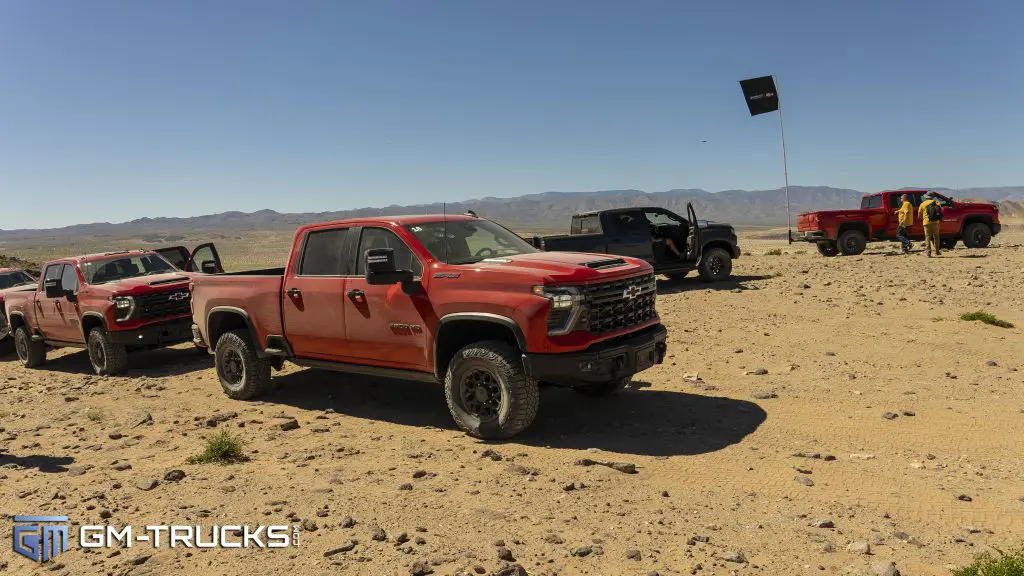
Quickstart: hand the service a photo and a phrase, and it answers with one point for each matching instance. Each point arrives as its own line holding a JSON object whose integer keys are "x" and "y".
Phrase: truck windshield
{"x": 17, "y": 278}
{"x": 125, "y": 266}
{"x": 468, "y": 241}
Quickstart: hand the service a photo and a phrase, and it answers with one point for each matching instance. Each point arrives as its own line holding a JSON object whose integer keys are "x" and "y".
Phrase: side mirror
{"x": 208, "y": 267}
{"x": 53, "y": 288}
{"x": 380, "y": 268}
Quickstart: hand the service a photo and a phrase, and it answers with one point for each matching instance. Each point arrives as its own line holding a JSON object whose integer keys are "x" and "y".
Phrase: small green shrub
{"x": 95, "y": 414}
{"x": 982, "y": 316}
{"x": 989, "y": 565}
{"x": 222, "y": 447}
{"x": 774, "y": 252}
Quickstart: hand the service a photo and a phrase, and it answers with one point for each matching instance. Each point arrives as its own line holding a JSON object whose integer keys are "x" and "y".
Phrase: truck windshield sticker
{"x": 496, "y": 260}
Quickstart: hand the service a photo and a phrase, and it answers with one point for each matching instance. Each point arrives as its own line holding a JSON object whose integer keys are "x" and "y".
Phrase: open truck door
{"x": 204, "y": 258}
{"x": 693, "y": 243}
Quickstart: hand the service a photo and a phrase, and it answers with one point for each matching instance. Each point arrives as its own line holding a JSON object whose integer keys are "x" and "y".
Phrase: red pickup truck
{"x": 457, "y": 299}
{"x": 108, "y": 303}
{"x": 849, "y": 231}
{"x": 12, "y": 280}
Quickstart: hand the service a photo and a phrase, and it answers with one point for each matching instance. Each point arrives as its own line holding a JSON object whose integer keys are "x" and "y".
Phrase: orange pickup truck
{"x": 847, "y": 232}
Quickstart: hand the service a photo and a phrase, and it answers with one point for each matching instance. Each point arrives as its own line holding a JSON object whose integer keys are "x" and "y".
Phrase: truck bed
{"x": 255, "y": 292}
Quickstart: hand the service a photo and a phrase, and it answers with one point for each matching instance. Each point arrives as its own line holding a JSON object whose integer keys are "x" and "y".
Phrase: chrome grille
{"x": 163, "y": 304}
{"x": 609, "y": 308}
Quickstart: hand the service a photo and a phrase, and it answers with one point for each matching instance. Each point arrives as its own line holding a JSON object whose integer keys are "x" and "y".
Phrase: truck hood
{"x": 564, "y": 267}
{"x": 13, "y": 289}
{"x": 144, "y": 284}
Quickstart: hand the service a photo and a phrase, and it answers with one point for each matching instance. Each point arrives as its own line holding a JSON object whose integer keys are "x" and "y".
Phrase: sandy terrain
{"x": 718, "y": 488}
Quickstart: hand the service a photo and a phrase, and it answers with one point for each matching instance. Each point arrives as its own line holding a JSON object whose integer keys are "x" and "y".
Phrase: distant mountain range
{"x": 551, "y": 210}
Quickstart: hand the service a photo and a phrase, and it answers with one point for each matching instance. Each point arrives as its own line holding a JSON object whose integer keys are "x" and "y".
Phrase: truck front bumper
{"x": 601, "y": 362}
{"x": 153, "y": 335}
{"x": 810, "y": 236}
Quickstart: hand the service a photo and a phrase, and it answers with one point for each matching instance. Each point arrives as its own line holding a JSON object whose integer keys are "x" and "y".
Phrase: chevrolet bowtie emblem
{"x": 178, "y": 296}
{"x": 631, "y": 292}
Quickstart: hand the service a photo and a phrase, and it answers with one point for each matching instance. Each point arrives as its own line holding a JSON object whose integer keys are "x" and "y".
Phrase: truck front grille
{"x": 163, "y": 304}
{"x": 619, "y": 304}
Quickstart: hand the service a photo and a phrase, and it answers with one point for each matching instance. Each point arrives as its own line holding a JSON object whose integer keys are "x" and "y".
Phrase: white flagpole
{"x": 785, "y": 162}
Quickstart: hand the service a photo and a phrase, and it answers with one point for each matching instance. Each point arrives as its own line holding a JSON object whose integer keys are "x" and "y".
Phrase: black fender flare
{"x": 237, "y": 312}
{"x": 103, "y": 322}
{"x": 498, "y": 319}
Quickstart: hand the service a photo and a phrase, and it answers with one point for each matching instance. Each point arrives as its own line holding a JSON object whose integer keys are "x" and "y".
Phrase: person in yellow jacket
{"x": 931, "y": 226}
{"x": 905, "y": 219}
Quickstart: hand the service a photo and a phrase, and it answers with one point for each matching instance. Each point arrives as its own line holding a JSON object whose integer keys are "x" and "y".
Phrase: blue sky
{"x": 113, "y": 110}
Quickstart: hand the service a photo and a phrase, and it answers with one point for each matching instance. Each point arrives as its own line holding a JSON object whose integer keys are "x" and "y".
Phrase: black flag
{"x": 760, "y": 94}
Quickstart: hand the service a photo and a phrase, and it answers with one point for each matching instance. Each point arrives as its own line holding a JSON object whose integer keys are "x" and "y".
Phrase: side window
{"x": 661, "y": 219}
{"x": 591, "y": 224}
{"x": 381, "y": 238}
{"x": 630, "y": 222}
{"x": 53, "y": 272}
{"x": 69, "y": 280}
{"x": 871, "y": 202}
{"x": 322, "y": 254}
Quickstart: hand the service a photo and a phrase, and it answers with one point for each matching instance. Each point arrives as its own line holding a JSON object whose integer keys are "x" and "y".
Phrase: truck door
{"x": 628, "y": 234}
{"x": 382, "y": 323}
{"x": 56, "y": 316}
{"x": 952, "y": 217}
{"x": 204, "y": 259}
{"x": 313, "y": 294}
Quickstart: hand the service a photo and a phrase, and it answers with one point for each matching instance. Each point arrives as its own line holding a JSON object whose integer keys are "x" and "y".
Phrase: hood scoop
{"x": 168, "y": 280}
{"x": 604, "y": 263}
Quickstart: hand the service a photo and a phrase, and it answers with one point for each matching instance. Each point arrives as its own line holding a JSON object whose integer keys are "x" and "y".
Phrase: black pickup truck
{"x": 672, "y": 244}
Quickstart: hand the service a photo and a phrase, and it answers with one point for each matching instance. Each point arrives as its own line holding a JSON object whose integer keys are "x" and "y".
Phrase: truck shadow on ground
{"x": 638, "y": 420}
{"x": 150, "y": 363}
{"x": 688, "y": 284}
{"x": 43, "y": 463}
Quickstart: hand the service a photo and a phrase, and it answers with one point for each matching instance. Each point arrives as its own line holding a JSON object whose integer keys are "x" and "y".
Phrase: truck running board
{"x": 365, "y": 370}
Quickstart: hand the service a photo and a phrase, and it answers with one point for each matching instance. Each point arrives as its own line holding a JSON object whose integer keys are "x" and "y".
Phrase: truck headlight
{"x": 124, "y": 307}
{"x": 566, "y": 306}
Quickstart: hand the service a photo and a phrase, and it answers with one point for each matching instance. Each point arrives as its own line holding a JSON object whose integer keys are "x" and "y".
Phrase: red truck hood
{"x": 565, "y": 266}
{"x": 145, "y": 284}
{"x": 26, "y": 288}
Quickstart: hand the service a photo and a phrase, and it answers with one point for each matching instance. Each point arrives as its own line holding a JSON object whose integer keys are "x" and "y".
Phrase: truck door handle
{"x": 356, "y": 294}
{"x": 294, "y": 292}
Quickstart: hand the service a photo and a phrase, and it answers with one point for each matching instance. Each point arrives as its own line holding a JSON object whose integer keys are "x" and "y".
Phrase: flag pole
{"x": 785, "y": 162}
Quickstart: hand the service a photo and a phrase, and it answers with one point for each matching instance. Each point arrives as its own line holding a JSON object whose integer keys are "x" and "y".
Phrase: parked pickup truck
{"x": 645, "y": 233}
{"x": 457, "y": 299}
{"x": 12, "y": 280}
{"x": 848, "y": 231}
{"x": 108, "y": 303}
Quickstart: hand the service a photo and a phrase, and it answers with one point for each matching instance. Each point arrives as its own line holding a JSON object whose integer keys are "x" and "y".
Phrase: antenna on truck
{"x": 444, "y": 215}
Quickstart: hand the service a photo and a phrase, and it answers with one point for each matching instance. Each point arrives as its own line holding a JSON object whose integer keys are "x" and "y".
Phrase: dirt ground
{"x": 719, "y": 488}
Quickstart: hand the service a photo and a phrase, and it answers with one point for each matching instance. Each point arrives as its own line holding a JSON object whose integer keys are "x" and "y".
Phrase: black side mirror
{"x": 380, "y": 268}
{"x": 208, "y": 267}
{"x": 53, "y": 288}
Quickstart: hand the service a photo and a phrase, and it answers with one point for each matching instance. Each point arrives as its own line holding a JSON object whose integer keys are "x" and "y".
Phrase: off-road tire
{"x": 715, "y": 265}
{"x": 519, "y": 398}
{"x": 977, "y": 235}
{"x": 827, "y": 249}
{"x": 677, "y": 276}
{"x": 852, "y": 242}
{"x": 947, "y": 243}
{"x": 242, "y": 373}
{"x": 30, "y": 352}
{"x": 106, "y": 358}
{"x": 603, "y": 388}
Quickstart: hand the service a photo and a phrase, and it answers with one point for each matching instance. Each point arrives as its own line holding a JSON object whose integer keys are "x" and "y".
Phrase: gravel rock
{"x": 504, "y": 553}
{"x": 582, "y": 551}
{"x": 309, "y": 525}
{"x": 174, "y": 475}
{"x": 142, "y": 419}
{"x": 347, "y": 522}
{"x": 731, "y": 556}
{"x": 147, "y": 484}
{"x": 633, "y": 555}
{"x": 491, "y": 454}
{"x": 890, "y": 415}
{"x": 553, "y": 539}
{"x": 964, "y": 498}
{"x": 757, "y": 372}
{"x": 861, "y": 547}
{"x": 885, "y": 569}
{"x": 822, "y": 523}
{"x": 765, "y": 395}
{"x": 220, "y": 417}
{"x": 420, "y": 568}
{"x": 287, "y": 424}
{"x": 378, "y": 534}
{"x": 804, "y": 480}
{"x": 347, "y": 547}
